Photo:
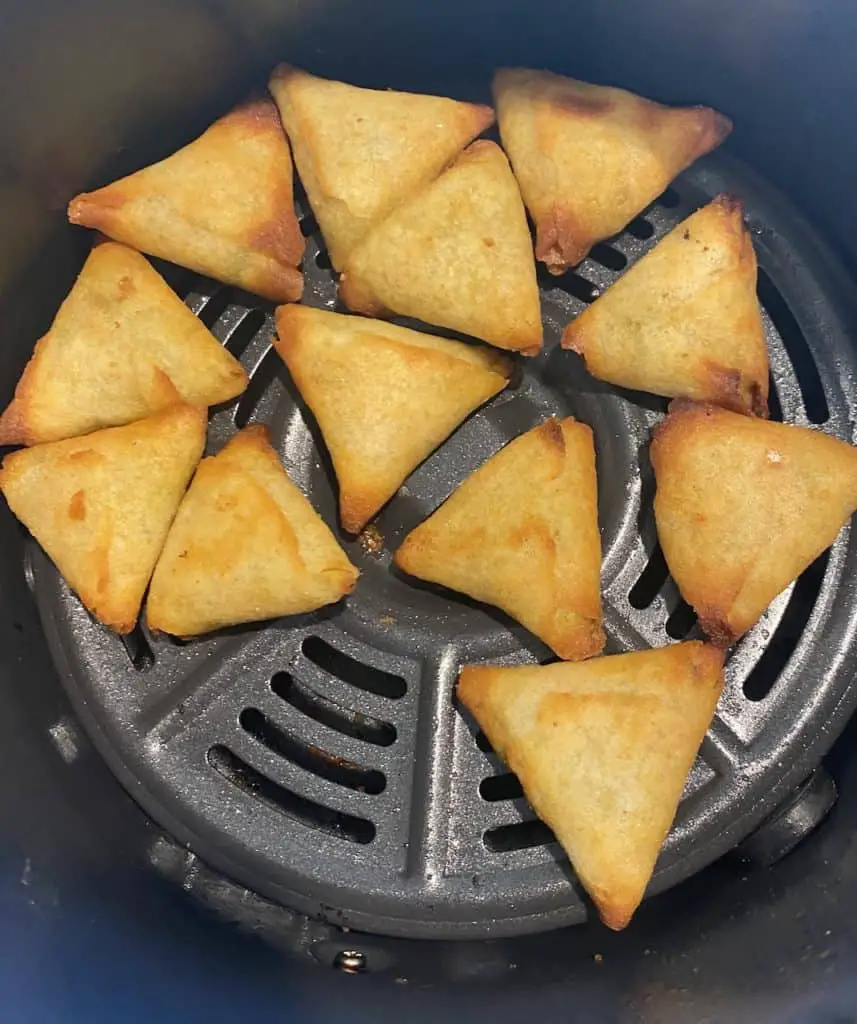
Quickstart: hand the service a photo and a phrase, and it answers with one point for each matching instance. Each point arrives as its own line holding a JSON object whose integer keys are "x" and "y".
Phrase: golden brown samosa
{"x": 101, "y": 505}
{"x": 246, "y": 545}
{"x": 603, "y": 751}
{"x": 521, "y": 533}
{"x": 361, "y": 152}
{"x": 685, "y": 320}
{"x": 222, "y": 206}
{"x": 589, "y": 158}
{"x": 121, "y": 347}
{"x": 384, "y": 396}
{"x": 743, "y": 506}
{"x": 457, "y": 254}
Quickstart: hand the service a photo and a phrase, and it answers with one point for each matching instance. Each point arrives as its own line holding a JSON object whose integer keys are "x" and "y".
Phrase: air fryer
{"x": 297, "y": 819}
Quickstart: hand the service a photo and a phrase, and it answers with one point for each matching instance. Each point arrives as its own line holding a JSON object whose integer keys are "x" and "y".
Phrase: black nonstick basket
{"x": 317, "y": 771}
{"x": 322, "y": 761}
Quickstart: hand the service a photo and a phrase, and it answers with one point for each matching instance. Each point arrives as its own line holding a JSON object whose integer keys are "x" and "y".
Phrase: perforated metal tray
{"x": 321, "y": 761}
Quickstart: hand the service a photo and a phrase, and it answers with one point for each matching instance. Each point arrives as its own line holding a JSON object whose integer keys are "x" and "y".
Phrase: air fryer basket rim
{"x": 422, "y": 861}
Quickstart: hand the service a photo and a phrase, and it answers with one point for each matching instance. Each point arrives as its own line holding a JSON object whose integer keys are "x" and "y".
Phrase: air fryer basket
{"x": 321, "y": 762}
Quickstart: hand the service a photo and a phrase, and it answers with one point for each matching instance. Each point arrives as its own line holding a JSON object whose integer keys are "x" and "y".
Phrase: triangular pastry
{"x": 603, "y": 750}
{"x": 743, "y": 506}
{"x": 222, "y": 206}
{"x": 457, "y": 254}
{"x": 361, "y": 152}
{"x": 589, "y": 158}
{"x": 384, "y": 396}
{"x": 246, "y": 545}
{"x": 685, "y": 320}
{"x": 101, "y": 505}
{"x": 122, "y": 346}
{"x": 521, "y": 533}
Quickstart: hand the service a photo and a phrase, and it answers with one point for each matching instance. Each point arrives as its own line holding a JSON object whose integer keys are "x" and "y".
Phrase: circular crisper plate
{"x": 321, "y": 761}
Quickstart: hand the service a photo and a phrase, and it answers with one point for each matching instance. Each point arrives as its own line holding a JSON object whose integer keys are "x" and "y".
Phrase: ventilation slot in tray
{"x": 775, "y": 409}
{"x": 640, "y": 229}
{"x": 351, "y": 671}
{"x": 651, "y": 580}
{"x": 571, "y": 282}
{"x": 500, "y": 787}
{"x": 608, "y": 257}
{"x": 138, "y": 649}
{"x": 322, "y": 260}
{"x": 334, "y": 716}
{"x": 669, "y": 198}
{"x": 681, "y": 622}
{"x": 245, "y": 331}
{"x": 483, "y": 742}
{"x": 278, "y": 798}
{"x": 792, "y": 625}
{"x": 311, "y": 759}
{"x": 268, "y": 367}
{"x": 213, "y": 307}
{"x": 522, "y": 835}
{"x": 788, "y": 328}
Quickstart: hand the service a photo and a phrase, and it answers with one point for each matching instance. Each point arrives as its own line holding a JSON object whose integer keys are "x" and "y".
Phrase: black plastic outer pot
{"x": 93, "y": 923}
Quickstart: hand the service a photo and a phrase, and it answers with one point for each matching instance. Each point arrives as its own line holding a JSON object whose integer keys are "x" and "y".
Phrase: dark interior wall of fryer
{"x": 94, "y": 87}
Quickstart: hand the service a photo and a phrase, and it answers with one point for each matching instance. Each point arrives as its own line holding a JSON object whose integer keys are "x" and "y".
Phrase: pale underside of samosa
{"x": 384, "y": 396}
{"x": 589, "y": 158}
{"x": 246, "y": 545}
{"x": 223, "y": 206}
{"x": 603, "y": 750}
{"x": 122, "y": 346}
{"x": 458, "y": 254}
{"x": 743, "y": 506}
{"x": 685, "y": 320}
{"x": 101, "y": 505}
{"x": 361, "y": 152}
{"x": 522, "y": 533}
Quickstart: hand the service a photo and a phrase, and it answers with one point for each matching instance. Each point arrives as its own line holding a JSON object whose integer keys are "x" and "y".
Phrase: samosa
{"x": 121, "y": 347}
{"x": 684, "y": 321}
{"x": 101, "y": 505}
{"x": 246, "y": 545}
{"x": 521, "y": 533}
{"x": 361, "y": 152}
{"x": 589, "y": 158}
{"x": 384, "y": 396}
{"x": 457, "y": 254}
{"x": 603, "y": 750}
{"x": 223, "y": 206}
{"x": 743, "y": 506}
